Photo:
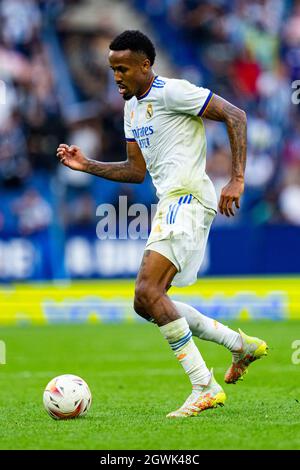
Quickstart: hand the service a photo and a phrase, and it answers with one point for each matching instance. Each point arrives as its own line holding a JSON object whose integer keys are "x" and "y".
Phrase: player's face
{"x": 131, "y": 72}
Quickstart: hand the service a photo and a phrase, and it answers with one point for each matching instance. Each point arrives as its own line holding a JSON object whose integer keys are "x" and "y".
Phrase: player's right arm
{"x": 132, "y": 170}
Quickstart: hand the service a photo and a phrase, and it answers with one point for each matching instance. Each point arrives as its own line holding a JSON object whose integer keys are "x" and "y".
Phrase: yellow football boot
{"x": 251, "y": 350}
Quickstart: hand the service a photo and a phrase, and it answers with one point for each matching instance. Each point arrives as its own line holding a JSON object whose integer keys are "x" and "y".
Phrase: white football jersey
{"x": 166, "y": 123}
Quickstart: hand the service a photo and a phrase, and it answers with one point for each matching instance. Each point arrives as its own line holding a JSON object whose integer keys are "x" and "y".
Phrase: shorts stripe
{"x": 170, "y": 212}
{"x": 174, "y": 208}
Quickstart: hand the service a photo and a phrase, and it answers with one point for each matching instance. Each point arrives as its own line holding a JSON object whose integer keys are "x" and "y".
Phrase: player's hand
{"x": 230, "y": 194}
{"x": 72, "y": 157}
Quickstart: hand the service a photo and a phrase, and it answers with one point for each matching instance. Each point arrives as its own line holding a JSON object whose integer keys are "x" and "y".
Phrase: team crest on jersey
{"x": 149, "y": 112}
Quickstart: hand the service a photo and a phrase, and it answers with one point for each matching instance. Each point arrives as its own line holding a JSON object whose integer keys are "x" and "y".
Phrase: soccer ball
{"x": 67, "y": 396}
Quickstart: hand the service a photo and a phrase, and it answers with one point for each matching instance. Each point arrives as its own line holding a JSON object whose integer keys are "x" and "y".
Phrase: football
{"x": 67, "y": 396}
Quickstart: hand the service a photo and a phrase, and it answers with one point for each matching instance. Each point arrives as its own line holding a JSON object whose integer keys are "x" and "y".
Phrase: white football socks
{"x": 208, "y": 329}
{"x": 179, "y": 336}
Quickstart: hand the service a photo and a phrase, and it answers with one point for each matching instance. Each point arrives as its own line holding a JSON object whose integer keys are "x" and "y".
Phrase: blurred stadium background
{"x": 56, "y": 87}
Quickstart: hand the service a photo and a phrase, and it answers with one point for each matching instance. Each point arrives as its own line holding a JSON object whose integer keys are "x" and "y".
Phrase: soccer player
{"x": 165, "y": 135}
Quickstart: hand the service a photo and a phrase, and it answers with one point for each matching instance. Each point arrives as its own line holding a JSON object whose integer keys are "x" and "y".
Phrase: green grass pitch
{"x": 135, "y": 381}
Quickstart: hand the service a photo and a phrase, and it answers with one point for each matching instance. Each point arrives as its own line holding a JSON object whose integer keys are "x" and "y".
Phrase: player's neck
{"x": 148, "y": 84}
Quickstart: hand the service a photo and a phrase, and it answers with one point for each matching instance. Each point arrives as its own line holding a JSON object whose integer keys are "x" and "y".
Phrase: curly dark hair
{"x": 135, "y": 41}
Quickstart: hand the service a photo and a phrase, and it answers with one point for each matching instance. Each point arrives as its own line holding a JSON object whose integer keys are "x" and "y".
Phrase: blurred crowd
{"x": 58, "y": 88}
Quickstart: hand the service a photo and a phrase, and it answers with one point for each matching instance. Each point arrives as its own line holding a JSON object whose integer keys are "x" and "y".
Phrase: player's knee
{"x": 145, "y": 296}
{"x": 139, "y": 308}
{"x": 140, "y": 299}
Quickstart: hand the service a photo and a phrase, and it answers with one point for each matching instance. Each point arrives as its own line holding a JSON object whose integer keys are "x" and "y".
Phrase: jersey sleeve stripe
{"x": 159, "y": 82}
{"x": 130, "y": 140}
{"x": 206, "y": 103}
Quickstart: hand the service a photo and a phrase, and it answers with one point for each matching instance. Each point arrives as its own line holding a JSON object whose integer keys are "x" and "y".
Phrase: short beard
{"x": 127, "y": 97}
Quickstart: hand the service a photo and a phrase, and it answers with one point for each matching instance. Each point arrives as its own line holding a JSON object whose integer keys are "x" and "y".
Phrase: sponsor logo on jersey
{"x": 141, "y": 135}
{"x": 144, "y": 131}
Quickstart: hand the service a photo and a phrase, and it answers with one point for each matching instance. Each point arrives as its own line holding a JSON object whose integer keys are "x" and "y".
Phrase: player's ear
{"x": 146, "y": 65}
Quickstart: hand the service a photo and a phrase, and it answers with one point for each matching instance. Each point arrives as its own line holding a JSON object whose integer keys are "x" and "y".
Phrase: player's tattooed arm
{"x": 132, "y": 170}
{"x": 236, "y": 123}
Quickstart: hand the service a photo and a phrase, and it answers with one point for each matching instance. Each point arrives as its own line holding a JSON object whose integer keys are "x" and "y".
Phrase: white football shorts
{"x": 179, "y": 232}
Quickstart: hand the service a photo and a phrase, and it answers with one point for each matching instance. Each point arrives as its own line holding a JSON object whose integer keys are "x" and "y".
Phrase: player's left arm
{"x": 235, "y": 119}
